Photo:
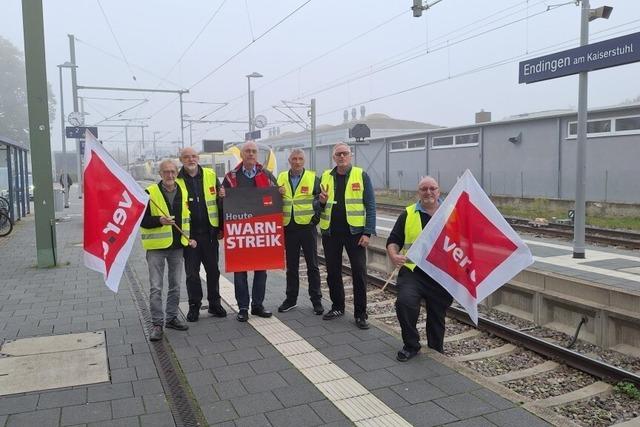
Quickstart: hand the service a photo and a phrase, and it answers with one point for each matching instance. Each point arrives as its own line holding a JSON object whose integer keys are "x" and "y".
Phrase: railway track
{"x": 596, "y": 235}
{"x": 543, "y": 375}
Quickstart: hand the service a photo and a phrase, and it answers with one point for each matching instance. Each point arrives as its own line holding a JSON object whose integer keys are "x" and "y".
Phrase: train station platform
{"x": 293, "y": 369}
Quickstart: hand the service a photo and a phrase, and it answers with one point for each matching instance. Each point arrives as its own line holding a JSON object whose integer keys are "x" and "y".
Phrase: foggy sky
{"x": 315, "y": 49}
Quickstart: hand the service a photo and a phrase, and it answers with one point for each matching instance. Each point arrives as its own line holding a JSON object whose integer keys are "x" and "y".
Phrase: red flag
{"x": 468, "y": 247}
{"x": 113, "y": 208}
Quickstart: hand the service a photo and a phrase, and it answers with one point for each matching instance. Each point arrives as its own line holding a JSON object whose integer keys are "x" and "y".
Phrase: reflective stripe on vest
{"x": 209, "y": 180}
{"x": 162, "y": 237}
{"x": 301, "y": 203}
{"x": 412, "y": 229}
{"x": 353, "y": 198}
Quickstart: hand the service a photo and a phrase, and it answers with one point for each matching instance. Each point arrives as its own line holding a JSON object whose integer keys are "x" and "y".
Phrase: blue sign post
{"x": 595, "y": 56}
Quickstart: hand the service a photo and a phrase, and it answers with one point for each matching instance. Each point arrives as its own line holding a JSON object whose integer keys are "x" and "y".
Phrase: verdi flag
{"x": 113, "y": 208}
{"x": 253, "y": 232}
{"x": 468, "y": 247}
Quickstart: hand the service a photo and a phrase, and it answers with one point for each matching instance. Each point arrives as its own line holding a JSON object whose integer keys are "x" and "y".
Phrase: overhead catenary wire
{"x": 116, "y": 40}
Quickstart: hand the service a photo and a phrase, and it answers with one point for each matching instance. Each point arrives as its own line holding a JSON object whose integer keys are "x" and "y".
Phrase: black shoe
{"x": 404, "y": 355}
{"x": 286, "y": 306}
{"x": 156, "y": 333}
{"x": 194, "y": 313}
{"x": 318, "y": 308}
{"x": 243, "y": 316}
{"x": 176, "y": 324}
{"x": 260, "y": 311}
{"x": 362, "y": 323}
{"x": 332, "y": 314}
{"x": 217, "y": 310}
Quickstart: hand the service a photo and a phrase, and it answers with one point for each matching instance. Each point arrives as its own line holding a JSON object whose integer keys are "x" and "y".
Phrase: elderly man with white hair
{"x": 250, "y": 173}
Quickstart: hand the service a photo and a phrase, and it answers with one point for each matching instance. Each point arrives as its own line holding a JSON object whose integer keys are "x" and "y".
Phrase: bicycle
{"x": 6, "y": 225}
{"x": 4, "y": 204}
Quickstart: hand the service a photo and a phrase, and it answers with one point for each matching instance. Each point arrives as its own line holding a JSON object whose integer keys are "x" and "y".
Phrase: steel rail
{"x": 571, "y": 358}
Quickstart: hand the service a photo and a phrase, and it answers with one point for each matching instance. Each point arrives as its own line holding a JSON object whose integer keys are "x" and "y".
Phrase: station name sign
{"x": 604, "y": 54}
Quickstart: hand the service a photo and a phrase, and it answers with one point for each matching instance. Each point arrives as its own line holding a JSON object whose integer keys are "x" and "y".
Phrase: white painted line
{"x": 355, "y": 401}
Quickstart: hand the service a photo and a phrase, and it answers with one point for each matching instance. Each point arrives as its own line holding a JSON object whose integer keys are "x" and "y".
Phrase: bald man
{"x": 413, "y": 284}
{"x": 204, "y": 204}
{"x": 250, "y": 173}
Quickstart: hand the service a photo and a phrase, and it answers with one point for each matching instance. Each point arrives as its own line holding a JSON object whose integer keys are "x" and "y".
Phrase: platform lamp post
{"x": 63, "y": 168}
{"x": 586, "y": 16}
{"x": 250, "y": 96}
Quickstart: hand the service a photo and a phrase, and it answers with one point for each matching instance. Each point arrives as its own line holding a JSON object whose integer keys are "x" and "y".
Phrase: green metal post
{"x": 39, "y": 132}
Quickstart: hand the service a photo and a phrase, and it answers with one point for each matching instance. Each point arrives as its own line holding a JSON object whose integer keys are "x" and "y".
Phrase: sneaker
{"x": 194, "y": 313}
{"x": 217, "y": 310}
{"x": 286, "y": 306}
{"x": 318, "y": 308}
{"x": 156, "y": 333}
{"x": 260, "y": 311}
{"x": 332, "y": 314}
{"x": 243, "y": 315}
{"x": 362, "y": 323}
{"x": 404, "y": 355}
{"x": 176, "y": 324}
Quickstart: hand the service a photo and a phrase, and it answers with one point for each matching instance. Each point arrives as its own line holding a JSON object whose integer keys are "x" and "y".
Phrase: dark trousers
{"x": 304, "y": 238}
{"x": 412, "y": 288}
{"x": 241, "y": 287}
{"x": 358, "y": 258}
{"x": 205, "y": 253}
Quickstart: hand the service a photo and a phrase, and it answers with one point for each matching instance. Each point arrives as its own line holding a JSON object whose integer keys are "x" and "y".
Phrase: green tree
{"x": 14, "y": 118}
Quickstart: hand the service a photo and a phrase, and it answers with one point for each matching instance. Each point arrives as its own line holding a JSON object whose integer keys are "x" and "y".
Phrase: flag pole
{"x": 164, "y": 214}
{"x": 390, "y": 277}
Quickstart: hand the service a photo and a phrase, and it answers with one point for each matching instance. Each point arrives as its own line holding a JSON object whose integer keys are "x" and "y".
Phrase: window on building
{"x": 594, "y": 127}
{"x": 442, "y": 141}
{"x": 470, "y": 138}
{"x": 398, "y": 145}
{"x": 625, "y": 124}
{"x": 416, "y": 144}
{"x": 463, "y": 140}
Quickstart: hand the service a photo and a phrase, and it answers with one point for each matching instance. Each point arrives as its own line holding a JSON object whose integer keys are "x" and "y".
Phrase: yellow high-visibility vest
{"x": 162, "y": 237}
{"x": 209, "y": 181}
{"x": 299, "y": 202}
{"x": 412, "y": 229}
{"x": 353, "y": 198}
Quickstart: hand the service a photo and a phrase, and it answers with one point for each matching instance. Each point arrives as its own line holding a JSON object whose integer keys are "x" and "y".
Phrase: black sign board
{"x": 212, "y": 145}
{"x": 604, "y": 54}
{"x": 252, "y": 135}
{"x": 79, "y": 131}
{"x": 360, "y": 131}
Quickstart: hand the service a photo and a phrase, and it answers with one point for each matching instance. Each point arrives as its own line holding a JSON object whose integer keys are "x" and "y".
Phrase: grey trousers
{"x": 156, "y": 259}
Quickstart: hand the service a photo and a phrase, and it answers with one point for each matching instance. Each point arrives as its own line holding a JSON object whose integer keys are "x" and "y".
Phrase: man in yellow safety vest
{"x": 164, "y": 243}
{"x": 347, "y": 220}
{"x": 300, "y": 189}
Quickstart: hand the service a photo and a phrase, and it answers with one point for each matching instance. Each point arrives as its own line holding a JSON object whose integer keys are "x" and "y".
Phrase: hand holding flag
{"x": 468, "y": 247}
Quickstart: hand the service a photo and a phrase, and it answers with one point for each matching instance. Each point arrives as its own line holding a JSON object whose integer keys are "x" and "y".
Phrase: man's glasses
{"x": 429, "y": 188}
{"x": 342, "y": 154}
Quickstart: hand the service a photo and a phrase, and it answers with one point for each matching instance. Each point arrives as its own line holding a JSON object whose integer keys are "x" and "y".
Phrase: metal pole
{"x": 253, "y": 111}
{"x": 191, "y": 133}
{"x": 126, "y": 144}
{"x": 142, "y": 130}
{"x": 249, "y": 101}
{"x": 39, "y": 131}
{"x": 313, "y": 134}
{"x": 581, "y": 145}
{"x": 181, "y": 122}
{"x": 63, "y": 166}
{"x": 155, "y": 153}
{"x": 74, "y": 96}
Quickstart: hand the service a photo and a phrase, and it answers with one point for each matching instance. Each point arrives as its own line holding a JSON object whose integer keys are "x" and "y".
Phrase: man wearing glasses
{"x": 414, "y": 284}
{"x": 164, "y": 243}
{"x": 347, "y": 220}
{"x": 203, "y": 202}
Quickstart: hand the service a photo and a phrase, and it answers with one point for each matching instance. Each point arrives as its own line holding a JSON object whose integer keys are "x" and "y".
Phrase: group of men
{"x": 183, "y": 221}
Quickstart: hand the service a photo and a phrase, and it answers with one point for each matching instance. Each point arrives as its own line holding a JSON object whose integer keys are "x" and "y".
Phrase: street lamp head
{"x": 68, "y": 64}
{"x": 600, "y": 12}
{"x": 254, "y": 75}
